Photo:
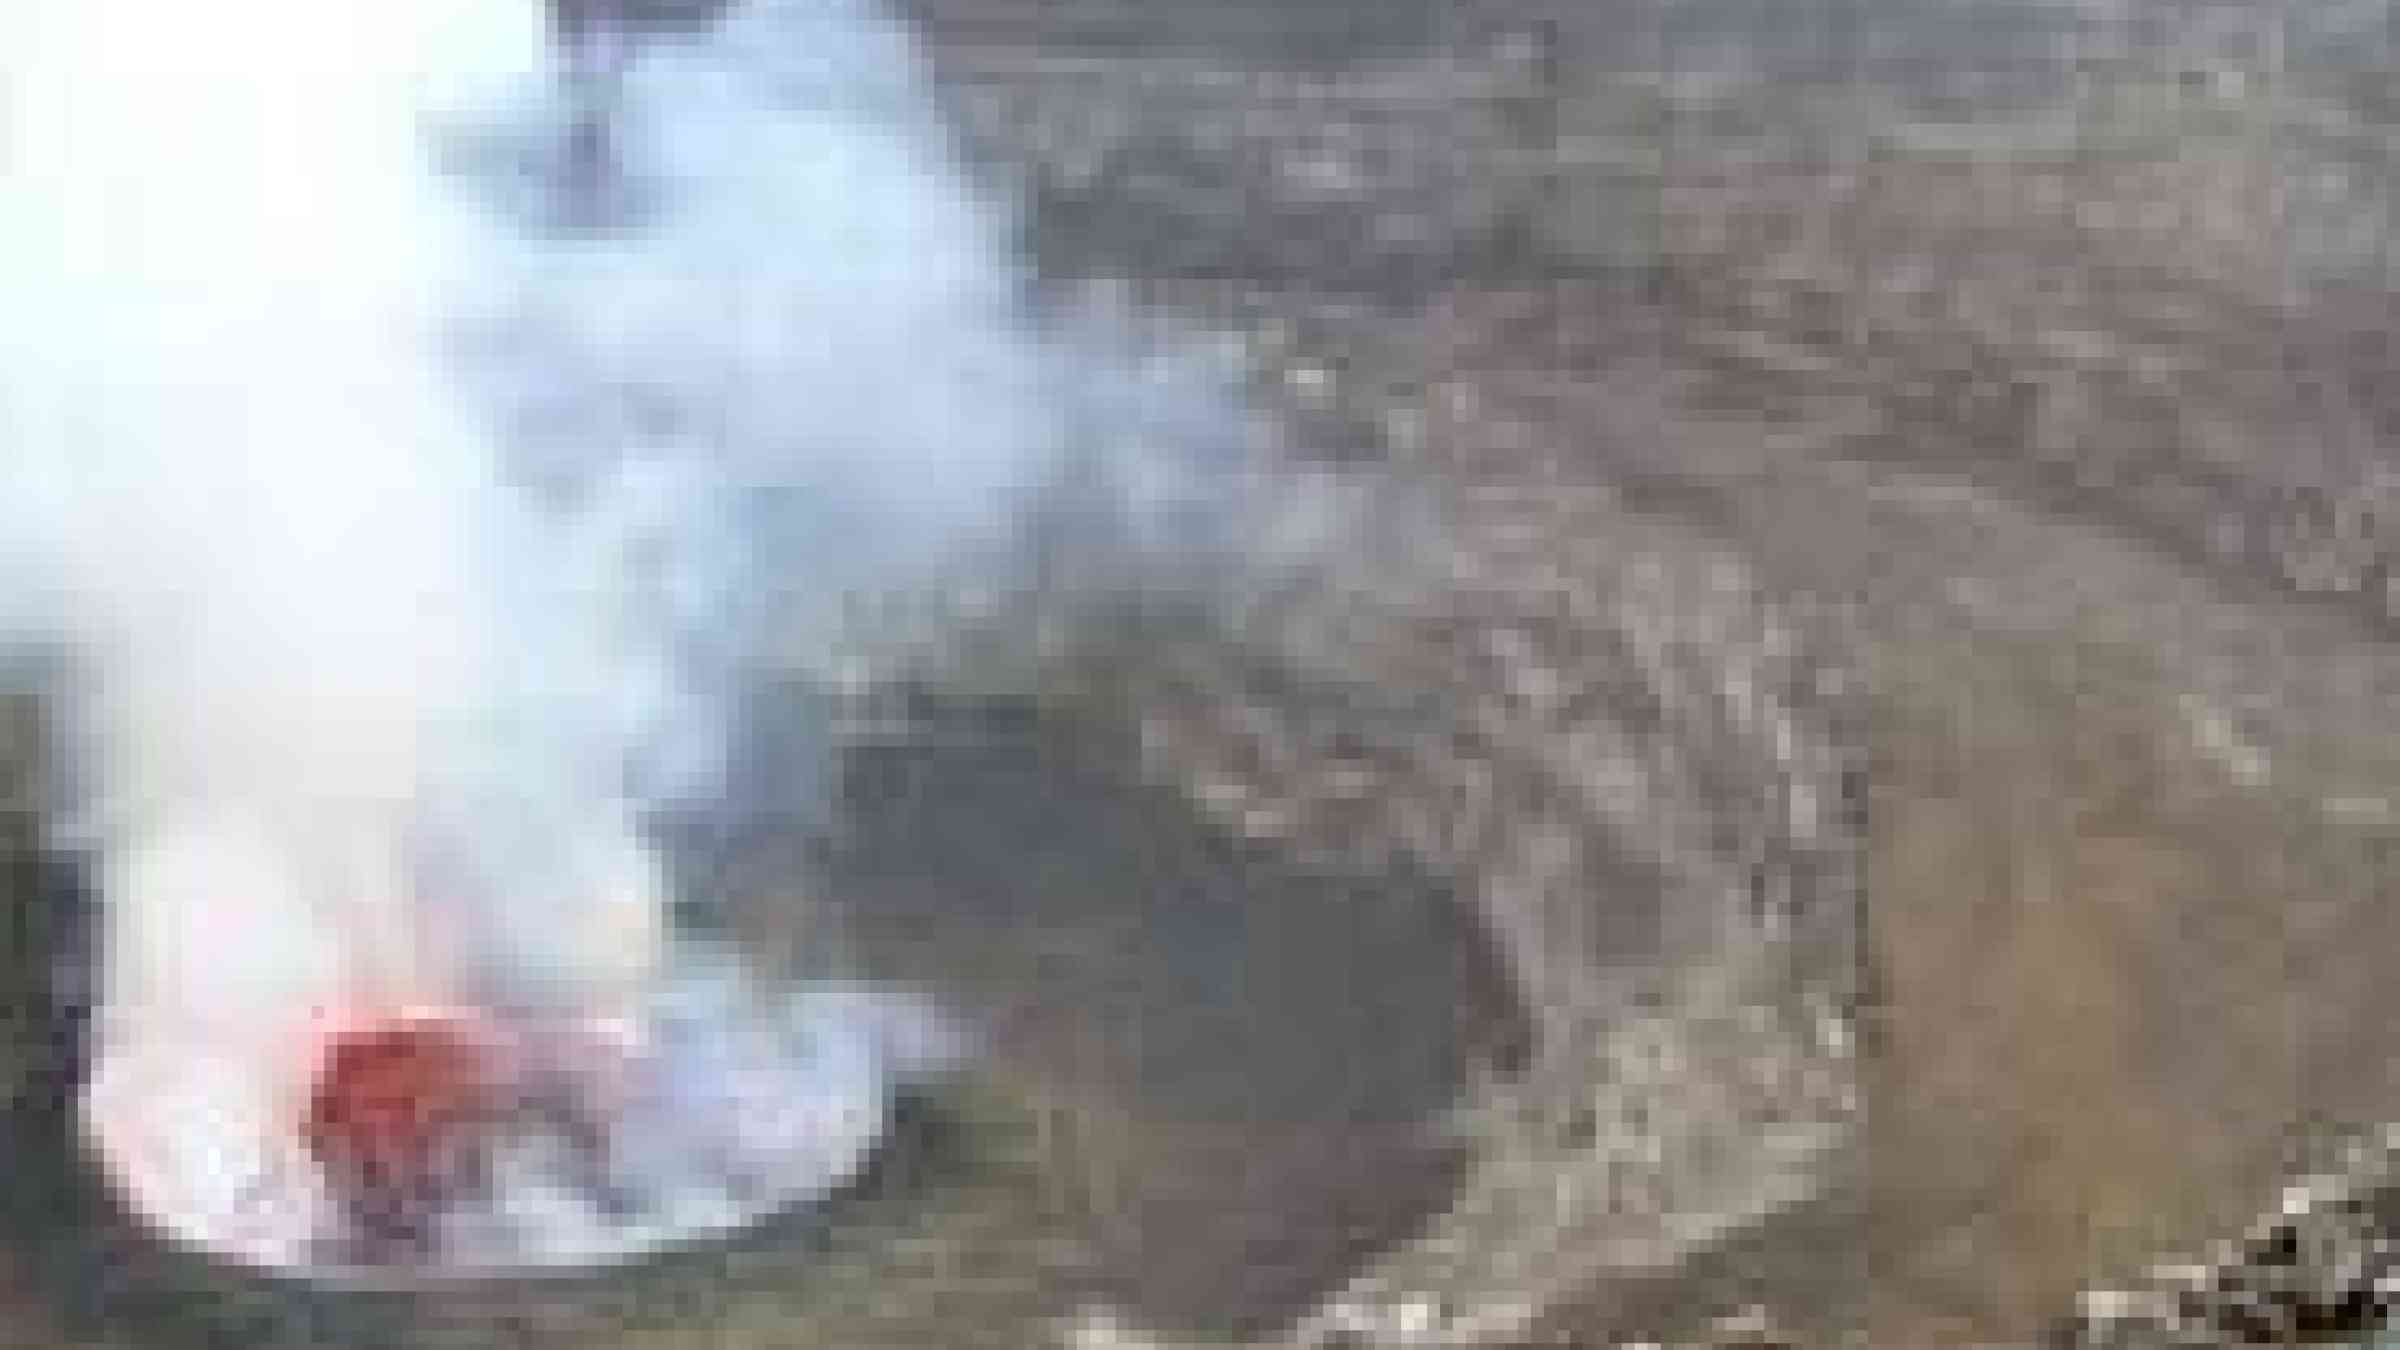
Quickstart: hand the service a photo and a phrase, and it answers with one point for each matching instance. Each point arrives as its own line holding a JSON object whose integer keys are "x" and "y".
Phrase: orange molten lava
{"x": 399, "y": 1118}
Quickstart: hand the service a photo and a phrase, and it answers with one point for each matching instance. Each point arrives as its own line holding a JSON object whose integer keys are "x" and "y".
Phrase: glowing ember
{"x": 463, "y": 1141}
{"x": 399, "y": 1120}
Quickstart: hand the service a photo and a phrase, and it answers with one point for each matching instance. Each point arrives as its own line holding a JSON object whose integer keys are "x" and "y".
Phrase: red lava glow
{"x": 398, "y": 1118}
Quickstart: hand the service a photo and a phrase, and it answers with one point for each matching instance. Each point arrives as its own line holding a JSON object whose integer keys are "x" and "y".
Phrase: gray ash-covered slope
{"x": 2061, "y": 432}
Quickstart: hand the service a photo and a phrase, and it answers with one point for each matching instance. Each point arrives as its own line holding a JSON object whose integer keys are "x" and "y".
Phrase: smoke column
{"x": 418, "y": 500}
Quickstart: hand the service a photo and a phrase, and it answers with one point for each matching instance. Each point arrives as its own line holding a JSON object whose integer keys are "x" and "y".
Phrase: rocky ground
{"x": 1752, "y": 435}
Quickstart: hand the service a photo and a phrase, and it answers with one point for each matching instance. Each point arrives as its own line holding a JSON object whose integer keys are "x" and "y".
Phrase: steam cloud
{"x": 416, "y": 540}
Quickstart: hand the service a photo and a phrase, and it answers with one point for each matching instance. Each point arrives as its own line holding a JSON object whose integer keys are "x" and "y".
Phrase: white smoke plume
{"x": 419, "y": 509}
